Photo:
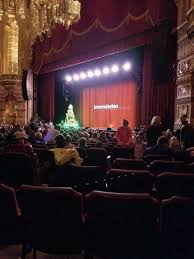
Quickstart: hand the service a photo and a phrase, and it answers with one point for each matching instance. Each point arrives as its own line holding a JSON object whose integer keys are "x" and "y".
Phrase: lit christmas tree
{"x": 70, "y": 120}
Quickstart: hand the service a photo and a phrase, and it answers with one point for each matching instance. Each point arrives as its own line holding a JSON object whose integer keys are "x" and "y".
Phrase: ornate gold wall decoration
{"x": 185, "y": 54}
{"x": 21, "y": 22}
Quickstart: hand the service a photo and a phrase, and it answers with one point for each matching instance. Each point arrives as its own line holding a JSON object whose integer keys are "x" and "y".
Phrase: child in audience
{"x": 138, "y": 147}
{"x": 174, "y": 143}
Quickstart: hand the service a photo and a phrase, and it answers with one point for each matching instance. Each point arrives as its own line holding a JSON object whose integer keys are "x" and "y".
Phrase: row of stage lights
{"x": 98, "y": 72}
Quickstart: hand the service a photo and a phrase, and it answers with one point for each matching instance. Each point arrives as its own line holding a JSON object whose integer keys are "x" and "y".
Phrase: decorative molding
{"x": 186, "y": 100}
{"x": 184, "y": 67}
{"x": 183, "y": 91}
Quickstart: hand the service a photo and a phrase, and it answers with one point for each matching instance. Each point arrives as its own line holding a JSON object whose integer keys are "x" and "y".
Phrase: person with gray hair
{"x": 154, "y": 131}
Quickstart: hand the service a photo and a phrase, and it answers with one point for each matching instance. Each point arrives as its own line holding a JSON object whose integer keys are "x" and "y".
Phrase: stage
{"x": 103, "y": 92}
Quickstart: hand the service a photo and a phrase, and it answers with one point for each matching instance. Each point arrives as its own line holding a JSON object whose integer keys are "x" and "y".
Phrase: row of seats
{"x": 111, "y": 225}
{"x": 87, "y": 178}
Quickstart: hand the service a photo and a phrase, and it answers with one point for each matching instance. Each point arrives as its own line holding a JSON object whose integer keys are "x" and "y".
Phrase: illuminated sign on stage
{"x": 106, "y": 107}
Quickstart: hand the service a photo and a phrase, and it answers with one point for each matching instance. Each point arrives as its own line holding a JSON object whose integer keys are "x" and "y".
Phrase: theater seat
{"x": 129, "y": 164}
{"x": 16, "y": 169}
{"x": 159, "y": 166}
{"x": 120, "y": 152}
{"x": 97, "y": 157}
{"x": 177, "y": 227}
{"x": 81, "y": 178}
{"x": 137, "y": 181}
{"x": 11, "y": 227}
{"x": 170, "y": 184}
{"x": 151, "y": 158}
{"x": 53, "y": 219}
{"x": 121, "y": 225}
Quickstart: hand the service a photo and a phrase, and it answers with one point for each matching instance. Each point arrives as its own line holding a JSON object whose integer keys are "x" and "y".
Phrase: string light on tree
{"x": 70, "y": 120}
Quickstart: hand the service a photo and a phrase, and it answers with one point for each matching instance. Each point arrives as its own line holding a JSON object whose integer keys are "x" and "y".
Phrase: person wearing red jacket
{"x": 124, "y": 134}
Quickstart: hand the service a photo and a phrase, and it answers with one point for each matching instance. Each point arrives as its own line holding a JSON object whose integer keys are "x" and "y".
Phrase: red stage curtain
{"x": 46, "y": 94}
{"x": 123, "y": 94}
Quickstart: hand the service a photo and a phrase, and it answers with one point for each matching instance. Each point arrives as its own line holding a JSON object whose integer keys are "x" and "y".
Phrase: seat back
{"x": 151, "y": 158}
{"x": 170, "y": 184}
{"x": 129, "y": 164}
{"x": 16, "y": 169}
{"x": 81, "y": 178}
{"x": 97, "y": 157}
{"x": 121, "y": 224}
{"x": 130, "y": 181}
{"x": 10, "y": 227}
{"x": 182, "y": 155}
{"x": 120, "y": 152}
{"x": 52, "y": 217}
{"x": 159, "y": 166}
{"x": 177, "y": 227}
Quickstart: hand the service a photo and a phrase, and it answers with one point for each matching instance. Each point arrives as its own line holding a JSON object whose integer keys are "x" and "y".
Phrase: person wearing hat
{"x": 18, "y": 144}
{"x": 124, "y": 134}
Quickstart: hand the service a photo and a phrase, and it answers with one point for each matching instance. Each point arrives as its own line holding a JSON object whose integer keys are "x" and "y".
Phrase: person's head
{"x": 60, "y": 141}
{"x": 57, "y": 127}
{"x": 68, "y": 139}
{"x": 174, "y": 141}
{"x": 138, "y": 139}
{"x": 39, "y": 135}
{"x": 94, "y": 135}
{"x": 156, "y": 120}
{"x": 183, "y": 119}
{"x": 125, "y": 123}
{"x": 82, "y": 142}
{"x": 163, "y": 142}
{"x": 99, "y": 144}
{"x": 19, "y": 136}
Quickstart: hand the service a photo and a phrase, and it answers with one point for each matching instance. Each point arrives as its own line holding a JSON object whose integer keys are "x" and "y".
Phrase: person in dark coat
{"x": 186, "y": 133}
{"x": 154, "y": 131}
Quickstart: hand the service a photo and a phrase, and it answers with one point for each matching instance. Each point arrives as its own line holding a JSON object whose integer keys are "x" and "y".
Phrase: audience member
{"x": 51, "y": 134}
{"x": 154, "y": 131}
{"x": 18, "y": 145}
{"x": 161, "y": 148}
{"x": 99, "y": 144}
{"x": 64, "y": 152}
{"x": 124, "y": 134}
{"x": 186, "y": 133}
{"x": 174, "y": 143}
{"x": 138, "y": 147}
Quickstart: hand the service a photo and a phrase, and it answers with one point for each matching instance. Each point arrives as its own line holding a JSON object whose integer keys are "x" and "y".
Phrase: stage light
{"x": 68, "y": 78}
{"x": 97, "y": 72}
{"x": 90, "y": 73}
{"x": 76, "y": 77}
{"x": 115, "y": 68}
{"x": 127, "y": 66}
{"x": 82, "y": 75}
{"x": 106, "y": 70}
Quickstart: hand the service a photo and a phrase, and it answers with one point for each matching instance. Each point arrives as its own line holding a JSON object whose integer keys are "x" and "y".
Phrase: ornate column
{"x": 12, "y": 105}
{"x": 185, "y": 68}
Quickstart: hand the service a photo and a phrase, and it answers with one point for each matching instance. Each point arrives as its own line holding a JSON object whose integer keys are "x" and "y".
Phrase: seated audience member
{"x": 39, "y": 138}
{"x": 51, "y": 134}
{"x": 99, "y": 144}
{"x": 124, "y": 134}
{"x": 138, "y": 147}
{"x": 32, "y": 136}
{"x": 103, "y": 137}
{"x": 94, "y": 137}
{"x": 64, "y": 153}
{"x": 161, "y": 148}
{"x": 154, "y": 131}
{"x": 18, "y": 145}
{"x": 68, "y": 142}
{"x": 174, "y": 143}
{"x": 82, "y": 142}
